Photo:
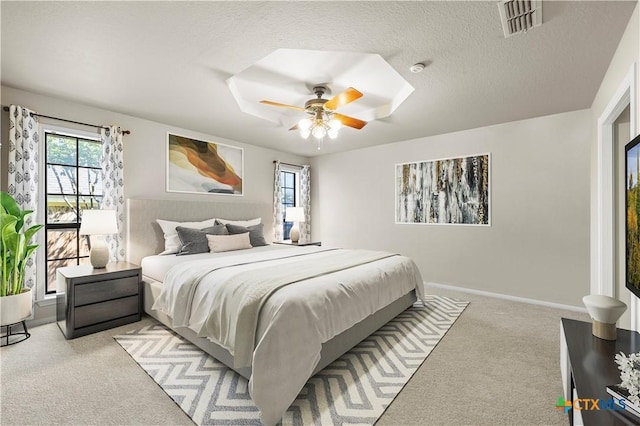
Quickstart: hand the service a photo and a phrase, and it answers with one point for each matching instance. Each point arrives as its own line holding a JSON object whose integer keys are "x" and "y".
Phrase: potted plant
{"x": 15, "y": 300}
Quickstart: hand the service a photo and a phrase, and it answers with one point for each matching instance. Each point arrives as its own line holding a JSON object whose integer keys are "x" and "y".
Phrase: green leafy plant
{"x": 14, "y": 245}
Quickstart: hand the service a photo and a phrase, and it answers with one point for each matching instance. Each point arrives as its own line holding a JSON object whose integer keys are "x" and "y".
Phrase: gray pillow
{"x": 256, "y": 233}
{"x": 195, "y": 241}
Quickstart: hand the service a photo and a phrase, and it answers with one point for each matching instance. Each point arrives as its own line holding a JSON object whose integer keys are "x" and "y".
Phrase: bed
{"x": 298, "y": 329}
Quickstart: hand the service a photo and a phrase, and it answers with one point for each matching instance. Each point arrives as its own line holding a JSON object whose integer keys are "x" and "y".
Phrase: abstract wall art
{"x": 203, "y": 167}
{"x": 453, "y": 191}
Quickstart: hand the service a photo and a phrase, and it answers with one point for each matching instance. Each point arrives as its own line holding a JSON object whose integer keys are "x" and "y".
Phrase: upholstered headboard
{"x": 145, "y": 238}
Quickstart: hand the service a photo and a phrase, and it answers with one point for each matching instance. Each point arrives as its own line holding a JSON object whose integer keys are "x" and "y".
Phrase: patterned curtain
{"x": 23, "y": 173}
{"x": 278, "y": 212}
{"x": 113, "y": 186}
{"x": 305, "y": 203}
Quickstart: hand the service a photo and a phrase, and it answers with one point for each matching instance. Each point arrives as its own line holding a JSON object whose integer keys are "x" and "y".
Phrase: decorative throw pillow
{"x": 220, "y": 243}
{"x": 256, "y": 233}
{"x": 195, "y": 240}
{"x": 249, "y": 222}
{"x": 171, "y": 240}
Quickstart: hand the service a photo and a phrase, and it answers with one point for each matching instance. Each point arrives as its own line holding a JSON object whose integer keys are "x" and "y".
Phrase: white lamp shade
{"x": 98, "y": 222}
{"x": 294, "y": 214}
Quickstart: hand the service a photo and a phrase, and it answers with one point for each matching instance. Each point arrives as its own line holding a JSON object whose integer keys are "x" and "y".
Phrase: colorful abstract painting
{"x": 452, "y": 191}
{"x": 203, "y": 167}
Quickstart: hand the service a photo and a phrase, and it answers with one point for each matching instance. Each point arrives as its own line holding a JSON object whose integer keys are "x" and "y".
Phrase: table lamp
{"x": 99, "y": 222}
{"x": 295, "y": 215}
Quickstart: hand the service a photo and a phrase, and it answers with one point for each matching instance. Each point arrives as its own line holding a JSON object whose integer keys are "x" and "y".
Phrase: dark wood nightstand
{"x": 91, "y": 300}
{"x": 291, "y": 243}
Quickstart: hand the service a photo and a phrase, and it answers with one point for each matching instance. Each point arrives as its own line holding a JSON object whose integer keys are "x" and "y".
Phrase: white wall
{"x": 538, "y": 243}
{"x": 627, "y": 53}
{"x": 145, "y": 150}
{"x": 621, "y": 138}
{"x": 145, "y": 156}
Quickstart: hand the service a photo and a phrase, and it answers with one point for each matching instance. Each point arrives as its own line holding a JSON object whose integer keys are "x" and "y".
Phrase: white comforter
{"x": 294, "y": 321}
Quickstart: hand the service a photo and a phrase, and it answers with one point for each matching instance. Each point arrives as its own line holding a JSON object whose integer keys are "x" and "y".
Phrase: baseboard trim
{"x": 40, "y": 321}
{"x": 508, "y": 297}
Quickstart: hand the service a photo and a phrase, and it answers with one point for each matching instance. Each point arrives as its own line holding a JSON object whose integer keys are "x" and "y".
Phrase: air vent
{"x": 519, "y": 16}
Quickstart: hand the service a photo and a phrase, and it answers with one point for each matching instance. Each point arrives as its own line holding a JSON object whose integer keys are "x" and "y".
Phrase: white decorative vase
{"x": 15, "y": 308}
{"x": 605, "y": 312}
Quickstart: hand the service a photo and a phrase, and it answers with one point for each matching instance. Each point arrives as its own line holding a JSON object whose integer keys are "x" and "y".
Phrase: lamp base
{"x": 99, "y": 254}
{"x": 294, "y": 233}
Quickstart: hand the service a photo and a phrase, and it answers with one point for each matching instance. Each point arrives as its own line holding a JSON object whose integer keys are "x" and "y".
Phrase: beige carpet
{"x": 498, "y": 365}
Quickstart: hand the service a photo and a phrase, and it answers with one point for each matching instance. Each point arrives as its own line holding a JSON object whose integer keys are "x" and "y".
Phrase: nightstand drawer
{"x": 105, "y": 311}
{"x": 105, "y": 290}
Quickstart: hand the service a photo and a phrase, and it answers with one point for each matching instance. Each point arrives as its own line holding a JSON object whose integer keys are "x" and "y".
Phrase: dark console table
{"x": 588, "y": 366}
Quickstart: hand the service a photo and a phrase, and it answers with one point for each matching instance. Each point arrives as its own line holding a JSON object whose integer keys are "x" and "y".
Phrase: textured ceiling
{"x": 169, "y": 61}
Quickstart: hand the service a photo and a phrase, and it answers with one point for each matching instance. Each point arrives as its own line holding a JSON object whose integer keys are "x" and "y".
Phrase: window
{"x": 72, "y": 182}
{"x": 288, "y": 180}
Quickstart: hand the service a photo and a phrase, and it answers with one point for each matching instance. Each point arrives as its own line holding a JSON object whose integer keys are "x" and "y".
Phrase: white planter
{"x": 15, "y": 308}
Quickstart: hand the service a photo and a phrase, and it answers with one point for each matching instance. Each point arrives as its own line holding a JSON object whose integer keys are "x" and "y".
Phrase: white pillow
{"x": 244, "y": 223}
{"x": 220, "y": 243}
{"x": 172, "y": 242}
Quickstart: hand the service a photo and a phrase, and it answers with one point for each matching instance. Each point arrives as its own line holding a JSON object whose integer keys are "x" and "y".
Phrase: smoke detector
{"x": 519, "y": 16}
{"x": 416, "y": 68}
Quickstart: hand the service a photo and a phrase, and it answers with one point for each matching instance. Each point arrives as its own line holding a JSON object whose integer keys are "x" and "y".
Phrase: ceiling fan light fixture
{"x": 305, "y": 124}
{"x": 334, "y": 126}
{"x": 321, "y": 119}
{"x": 319, "y": 132}
{"x": 304, "y": 133}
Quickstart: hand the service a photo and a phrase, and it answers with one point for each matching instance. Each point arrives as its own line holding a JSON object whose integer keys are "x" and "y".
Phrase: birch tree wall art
{"x": 453, "y": 191}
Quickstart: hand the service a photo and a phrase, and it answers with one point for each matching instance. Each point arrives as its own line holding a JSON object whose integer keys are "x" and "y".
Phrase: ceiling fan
{"x": 321, "y": 117}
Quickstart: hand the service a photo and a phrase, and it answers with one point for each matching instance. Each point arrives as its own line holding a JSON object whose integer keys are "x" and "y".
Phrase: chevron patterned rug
{"x": 354, "y": 389}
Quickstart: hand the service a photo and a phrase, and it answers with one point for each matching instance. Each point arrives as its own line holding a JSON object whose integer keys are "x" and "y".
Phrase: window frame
{"x": 42, "y": 297}
{"x": 296, "y": 193}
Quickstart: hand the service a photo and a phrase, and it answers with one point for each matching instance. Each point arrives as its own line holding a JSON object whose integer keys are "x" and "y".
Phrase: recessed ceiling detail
{"x": 289, "y": 76}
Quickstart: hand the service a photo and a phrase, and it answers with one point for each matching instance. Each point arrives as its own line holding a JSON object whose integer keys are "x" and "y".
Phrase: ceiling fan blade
{"x": 294, "y": 127}
{"x": 342, "y": 99}
{"x": 281, "y": 105}
{"x": 350, "y": 121}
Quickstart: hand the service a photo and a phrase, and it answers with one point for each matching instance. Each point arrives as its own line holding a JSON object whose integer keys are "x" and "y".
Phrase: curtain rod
{"x": 125, "y": 132}
{"x": 288, "y": 164}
